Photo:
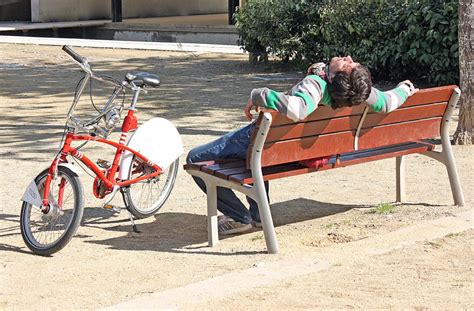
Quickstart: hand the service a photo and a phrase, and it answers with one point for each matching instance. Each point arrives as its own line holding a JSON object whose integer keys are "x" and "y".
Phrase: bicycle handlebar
{"x": 74, "y": 55}
{"x": 86, "y": 68}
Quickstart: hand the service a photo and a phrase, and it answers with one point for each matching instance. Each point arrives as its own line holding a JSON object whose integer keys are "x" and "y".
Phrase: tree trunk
{"x": 464, "y": 134}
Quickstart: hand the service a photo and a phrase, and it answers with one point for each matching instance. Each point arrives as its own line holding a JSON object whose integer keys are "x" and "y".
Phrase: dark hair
{"x": 347, "y": 90}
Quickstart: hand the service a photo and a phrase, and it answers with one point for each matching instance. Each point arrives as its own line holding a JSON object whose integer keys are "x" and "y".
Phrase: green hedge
{"x": 397, "y": 39}
{"x": 276, "y": 26}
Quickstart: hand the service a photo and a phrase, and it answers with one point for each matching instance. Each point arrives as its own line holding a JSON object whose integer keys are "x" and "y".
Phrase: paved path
{"x": 264, "y": 275}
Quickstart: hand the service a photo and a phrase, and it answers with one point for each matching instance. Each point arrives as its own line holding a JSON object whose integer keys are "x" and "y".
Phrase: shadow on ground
{"x": 178, "y": 232}
{"x": 192, "y": 86}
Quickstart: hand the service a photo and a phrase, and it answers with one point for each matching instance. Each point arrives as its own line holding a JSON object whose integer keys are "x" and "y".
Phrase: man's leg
{"x": 231, "y": 145}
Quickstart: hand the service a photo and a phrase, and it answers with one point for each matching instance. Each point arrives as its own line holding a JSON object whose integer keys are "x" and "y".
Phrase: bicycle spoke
{"x": 147, "y": 196}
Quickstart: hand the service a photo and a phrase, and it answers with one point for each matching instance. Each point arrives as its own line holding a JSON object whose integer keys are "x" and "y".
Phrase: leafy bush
{"x": 428, "y": 43}
{"x": 364, "y": 29}
{"x": 251, "y": 21}
{"x": 396, "y": 39}
{"x": 276, "y": 26}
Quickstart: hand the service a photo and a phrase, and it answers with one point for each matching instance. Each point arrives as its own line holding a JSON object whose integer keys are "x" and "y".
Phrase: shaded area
{"x": 11, "y": 225}
{"x": 18, "y": 10}
{"x": 193, "y": 86}
{"x": 169, "y": 234}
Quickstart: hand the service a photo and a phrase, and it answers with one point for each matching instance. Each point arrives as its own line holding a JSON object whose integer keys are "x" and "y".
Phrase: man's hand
{"x": 317, "y": 69}
{"x": 411, "y": 87}
{"x": 248, "y": 110}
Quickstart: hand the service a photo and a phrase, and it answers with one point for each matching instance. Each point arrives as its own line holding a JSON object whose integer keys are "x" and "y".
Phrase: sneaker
{"x": 227, "y": 225}
{"x": 257, "y": 224}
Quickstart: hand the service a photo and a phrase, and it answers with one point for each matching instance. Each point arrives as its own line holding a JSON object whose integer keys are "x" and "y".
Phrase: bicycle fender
{"x": 32, "y": 195}
{"x": 158, "y": 140}
{"x": 71, "y": 166}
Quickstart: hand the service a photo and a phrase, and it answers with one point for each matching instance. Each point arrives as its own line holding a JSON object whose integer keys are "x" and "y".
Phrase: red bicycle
{"x": 143, "y": 169}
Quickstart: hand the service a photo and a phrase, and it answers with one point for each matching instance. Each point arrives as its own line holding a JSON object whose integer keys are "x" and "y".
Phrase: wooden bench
{"x": 349, "y": 135}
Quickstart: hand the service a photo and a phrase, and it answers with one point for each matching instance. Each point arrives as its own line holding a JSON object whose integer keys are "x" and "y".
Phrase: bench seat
{"x": 237, "y": 171}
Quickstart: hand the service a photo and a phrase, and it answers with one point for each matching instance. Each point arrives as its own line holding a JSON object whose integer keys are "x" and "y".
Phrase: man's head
{"x": 349, "y": 83}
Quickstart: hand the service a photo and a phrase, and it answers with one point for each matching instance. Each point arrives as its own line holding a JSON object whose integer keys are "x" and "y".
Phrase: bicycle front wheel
{"x": 146, "y": 197}
{"x": 45, "y": 234}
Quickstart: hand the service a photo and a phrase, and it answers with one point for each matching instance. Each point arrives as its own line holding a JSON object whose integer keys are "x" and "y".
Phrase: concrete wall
{"x": 15, "y": 10}
{"x": 147, "y": 8}
{"x": 71, "y": 10}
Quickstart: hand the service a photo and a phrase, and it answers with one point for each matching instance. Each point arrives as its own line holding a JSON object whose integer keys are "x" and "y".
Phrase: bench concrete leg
{"x": 446, "y": 157}
{"x": 266, "y": 218}
{"x": 400, "y": 179}
{"x": 447, "y": 153}
{"x": 454, "y": 181}
{"x": 212, "y": 232}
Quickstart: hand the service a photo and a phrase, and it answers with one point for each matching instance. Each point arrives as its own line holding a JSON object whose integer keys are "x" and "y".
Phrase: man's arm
{"x": 385, "y": 102}
{"x": 302, "y": 100}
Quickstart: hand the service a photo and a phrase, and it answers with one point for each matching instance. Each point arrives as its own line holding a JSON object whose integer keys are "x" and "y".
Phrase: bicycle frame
{"x": 109, "y": 178}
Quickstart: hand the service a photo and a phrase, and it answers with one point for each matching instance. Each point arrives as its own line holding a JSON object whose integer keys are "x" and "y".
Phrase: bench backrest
{"x": 329, "y": 132}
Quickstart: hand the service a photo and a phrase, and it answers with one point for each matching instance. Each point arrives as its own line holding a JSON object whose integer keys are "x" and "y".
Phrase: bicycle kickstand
{"x": 134, "y": 226}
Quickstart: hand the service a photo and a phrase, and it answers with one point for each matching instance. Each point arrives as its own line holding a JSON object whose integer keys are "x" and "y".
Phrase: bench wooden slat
{"x": 431, "y": 95}
{"x": 306, "y": 148}
{"x": 211, "y": 166}
{"x": 397, "y": 133}
{"x": 224, "y": 174}
{"x": 197, "y": 166}
{"x": 405, "y": 114}
{"x": 321, "y": 113}
{"x": 222, "y": 166}
{"x": 352, "y": 158}
{"x": 292, "y": 131}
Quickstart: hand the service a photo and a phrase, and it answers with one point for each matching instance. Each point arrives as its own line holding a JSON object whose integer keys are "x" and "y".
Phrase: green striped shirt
{"x": 306, "y": 95}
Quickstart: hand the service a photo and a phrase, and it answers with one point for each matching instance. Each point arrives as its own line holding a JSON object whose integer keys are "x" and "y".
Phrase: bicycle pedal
{"x": 103, "y": 163}
{"x": 112, "y": 208}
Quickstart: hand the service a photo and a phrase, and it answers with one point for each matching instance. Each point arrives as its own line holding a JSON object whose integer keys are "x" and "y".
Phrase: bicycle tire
{"x": 133, "y": 195}
{"x": 70, "y": 211}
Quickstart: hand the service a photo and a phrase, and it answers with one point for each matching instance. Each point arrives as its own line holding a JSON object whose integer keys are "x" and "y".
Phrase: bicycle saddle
{"x": 143, "y": 79}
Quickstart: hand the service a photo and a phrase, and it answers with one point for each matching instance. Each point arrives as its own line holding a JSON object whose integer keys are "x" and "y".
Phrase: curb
{"x": 136, "y": 45}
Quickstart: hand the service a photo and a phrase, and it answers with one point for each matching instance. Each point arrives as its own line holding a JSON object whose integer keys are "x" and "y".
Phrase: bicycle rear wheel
{"x": 145, "y": 198}
{"x": 45, "y": 234}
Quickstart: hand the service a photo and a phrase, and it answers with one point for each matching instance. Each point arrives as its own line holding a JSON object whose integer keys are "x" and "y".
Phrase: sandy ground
{"x": 202, "y": 94}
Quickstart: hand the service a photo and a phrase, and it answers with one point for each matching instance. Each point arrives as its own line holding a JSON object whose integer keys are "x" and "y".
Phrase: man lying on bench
{"x": 341, "y": 83}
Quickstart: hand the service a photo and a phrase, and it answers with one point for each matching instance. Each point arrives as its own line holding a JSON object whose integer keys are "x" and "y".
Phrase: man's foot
{"x": 256, "y": 224}
{"x": 227, "y": 225}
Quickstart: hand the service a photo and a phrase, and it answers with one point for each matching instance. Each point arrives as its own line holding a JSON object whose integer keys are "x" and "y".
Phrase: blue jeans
{"x": 232, "y": 145}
